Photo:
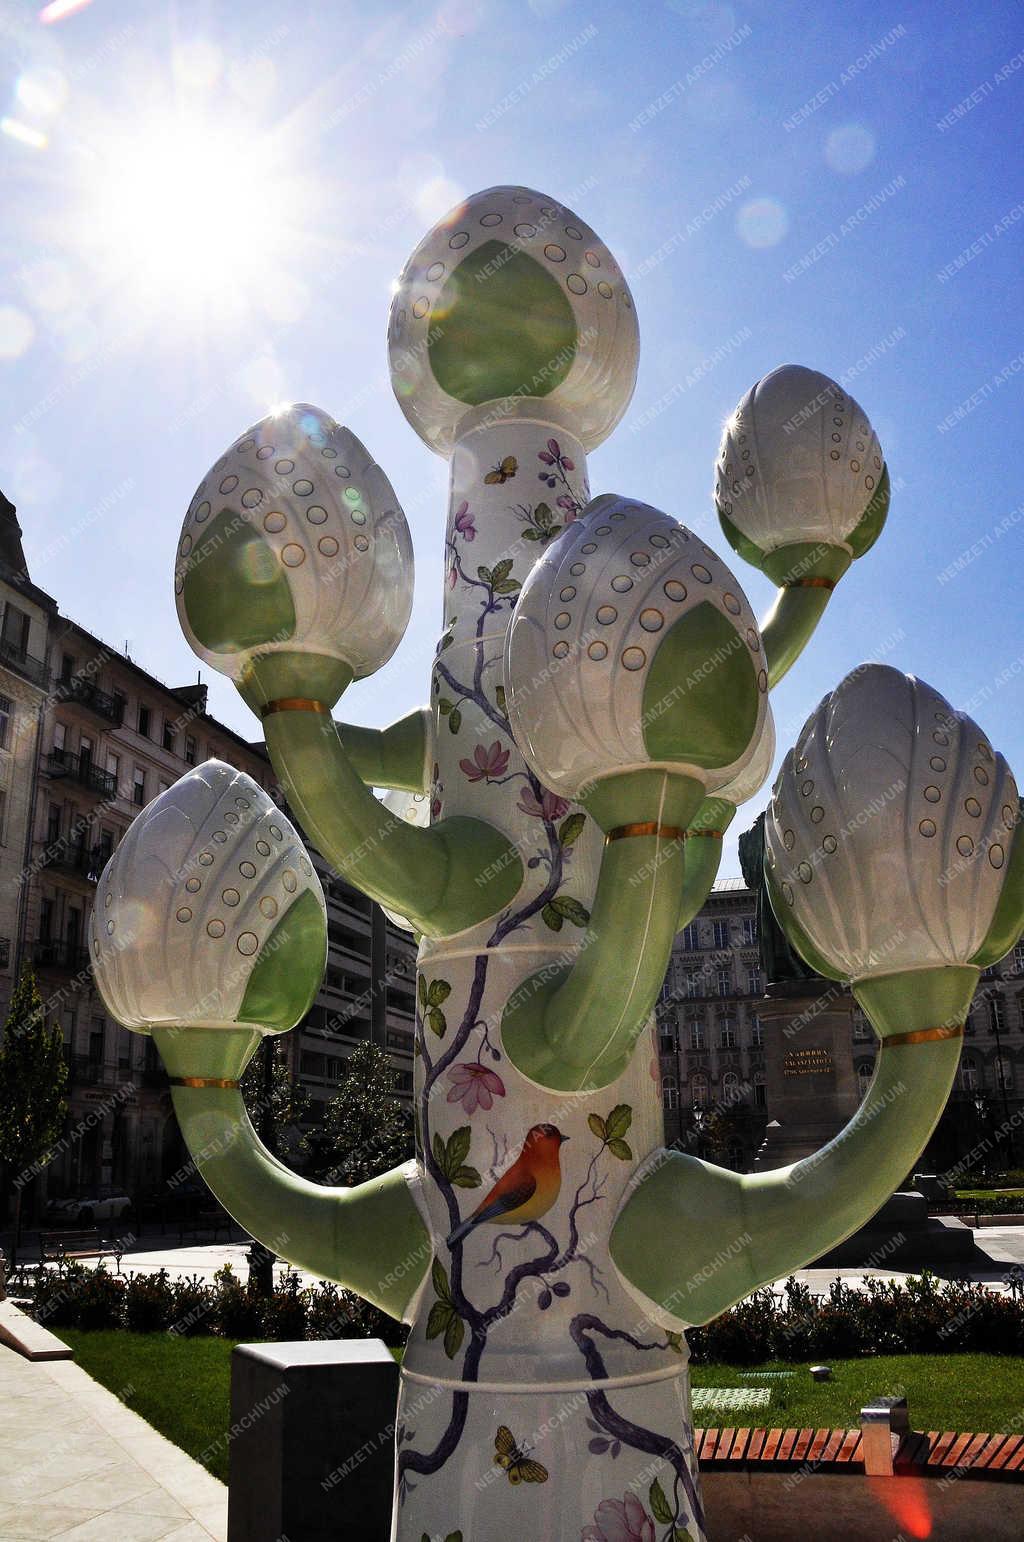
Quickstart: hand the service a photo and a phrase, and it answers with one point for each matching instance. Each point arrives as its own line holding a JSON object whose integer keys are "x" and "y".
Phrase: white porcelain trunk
{"x": 540, "y": 1397}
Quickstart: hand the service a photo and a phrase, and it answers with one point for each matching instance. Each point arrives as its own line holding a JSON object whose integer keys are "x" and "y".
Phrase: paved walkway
{"x": 77, "y": 1465}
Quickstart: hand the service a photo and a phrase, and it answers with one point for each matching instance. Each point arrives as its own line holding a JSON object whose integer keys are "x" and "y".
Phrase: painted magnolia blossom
{"x": 486, "y": 763}
{"x": 548, "y": 806}
{"x": 620, "y": 1520}
{"x": 474, "y": 1086}
{"x": 464, "y": 522}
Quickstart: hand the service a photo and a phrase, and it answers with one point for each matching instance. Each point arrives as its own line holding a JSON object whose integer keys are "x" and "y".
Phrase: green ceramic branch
{"x": 575, "y": 1026}
{"x": 395, "y": 756}
{"x": 696, "y": 1238}
{"x": 369, "y": 1238}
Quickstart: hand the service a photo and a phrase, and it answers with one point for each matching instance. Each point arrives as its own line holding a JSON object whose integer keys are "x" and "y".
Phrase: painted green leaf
{"x": 453, "y": 1336}
{"x": 501, "y": 569}
{"x": 571, "y": 909}
{"x": 620, "y": 1119}
{"x": 437, "y": 1021}
{"x": 620, "y": 1149}
{"x": 445, "y": 706}
{"x": 675, "y": 1341}
{"x": 542, "y": 514}
{"x": 455, "y": 720}
{"x": 441, "y": 1314}
{"x": 551, "y": 917}
{"x": 659, "y": 1504}
{"x": 421, "y": 990}
{"x": 438, "y": 993}
{"x": 597, "y": 1125}
{"x": 446, "y": 641}
{"x": 532, "y": 535}
{"x": 458, "y": 1147}
{"x": 485, "y": 575}
{"x": 466, "y": 1178}
{"x": 499, "y": 696}
{"x": 437, "y": 1147}
{"x": 439, "y": 1278}
{"x": 680, "y": 1534}
{"x": 507, "y": 586}
{"x": 571, "y": 829}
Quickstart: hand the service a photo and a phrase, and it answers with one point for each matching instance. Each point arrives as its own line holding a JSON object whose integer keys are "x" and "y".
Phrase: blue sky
{"x": 837, "y": 187}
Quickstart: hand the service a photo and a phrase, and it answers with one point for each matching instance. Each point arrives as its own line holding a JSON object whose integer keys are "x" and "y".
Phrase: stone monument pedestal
{"x": 810, "y": 1084}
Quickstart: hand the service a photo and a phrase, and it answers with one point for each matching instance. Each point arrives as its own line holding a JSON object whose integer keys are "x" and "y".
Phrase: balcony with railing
{"x": 85, "y": 693}
{"x": 58, "y": 953}
{"x": 81, "y": 769}
{"x": 26, "y": 664}
{"x": 76, "y": 861}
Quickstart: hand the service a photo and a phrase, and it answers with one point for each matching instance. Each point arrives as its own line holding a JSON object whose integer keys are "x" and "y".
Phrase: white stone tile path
{"x": 77, "y": 1465}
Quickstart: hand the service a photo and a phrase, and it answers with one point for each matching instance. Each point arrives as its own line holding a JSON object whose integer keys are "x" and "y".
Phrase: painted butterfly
{"x": 519, "y": 1468}
{"x": 502, "y": 473}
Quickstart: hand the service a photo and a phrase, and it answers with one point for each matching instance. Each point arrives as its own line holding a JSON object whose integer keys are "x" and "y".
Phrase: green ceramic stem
{"x": 395, "y": 756}
{"x": 703, "y": 855}
{"x": 445, "y": 878}
{"x": 574, "y": 1026}
{"x": 799, "y": 606}
{"x": 696, "y": 1238}
{"x": 369, "y": 1239}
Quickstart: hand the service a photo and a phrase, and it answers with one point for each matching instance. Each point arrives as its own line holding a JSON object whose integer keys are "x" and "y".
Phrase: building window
{"x": 67, "y": 667}
{"x": 865, "y": 1071}
{"x": 756, "y": 1033}
{"x": 3, "y": 816}
{"x": 760, "y": 1091}
{"x": 669, "y": 1092}
{"x": 724, "y": 977}
{"x": 144, "y": 721}
{"x": 190, "y": 750}
{"x": 96, "y": 1036}
{"x": 968, "y": 1074}
{"x": 691, "y": 937}
{"x": 996, "y": 1015}
{"x": 696, "y": 1035}
{"x": 1018, "y": 958}
{"x": 139, "y": 787}
{"x": 16, "y": 628}
{"x": 5, "y": 722}
{"x": 1004, "y": 1075}
{"x": 668, "y": 1041}
{"x": 85, "y": 748}
{"x": 721, "y": 933}
{"x": 727, "y": 1034}
{"x": 169, "y": 737}
{"x": 753, "y": 982}
{"x": 60, "y": 739}
{"x": 53, "y": 818}
{"x": 861, "y": 1031}
{"x": 749, "y": 931}
{"x": 114, "y": 768}
{"x": 693, "y": 982}
{"x": 730, "y": 1088}
{"x": 699, "y": 1090}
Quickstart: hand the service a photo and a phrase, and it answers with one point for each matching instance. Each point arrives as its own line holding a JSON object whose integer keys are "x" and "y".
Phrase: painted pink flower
{"x": 453, "y": 576}
{"x": 549, "y": 460}
{"x": 549, "y": 806}
{"x": 620, "y": 1520}
{"x": 474, "y": 1086}
{"x": 486, "y": 763}
{"x": 464, "y": 522}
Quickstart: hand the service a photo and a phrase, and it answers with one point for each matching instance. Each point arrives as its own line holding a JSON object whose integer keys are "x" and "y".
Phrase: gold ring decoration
{"x": 649, "y": 827}
{"x": 294, "y": 704}
{"x": 223, "y": 1082}
{"x": 925, "y": 1035}
{"x": 808, "y": 583}
{"x": 711, "y": 835}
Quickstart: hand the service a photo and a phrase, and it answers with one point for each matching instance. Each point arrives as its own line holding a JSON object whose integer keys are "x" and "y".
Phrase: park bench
{"x": 60, "y": 1246}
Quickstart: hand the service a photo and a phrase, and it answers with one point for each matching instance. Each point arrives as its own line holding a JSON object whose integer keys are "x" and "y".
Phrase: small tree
{"x": 33, "y": 1088}
{"x": 365, "y": 1130}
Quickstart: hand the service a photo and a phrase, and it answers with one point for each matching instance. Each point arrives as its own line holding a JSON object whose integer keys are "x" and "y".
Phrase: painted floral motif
{"x": 557, "y": 466}
{"x": 464, "y": 522}
{"x": 474, "y": 1086}
{"x": 547, "y": 806}
{"x": 620, "y": 1520}
{"x": 431, "y": 998}
{"x": 486, "y": 764}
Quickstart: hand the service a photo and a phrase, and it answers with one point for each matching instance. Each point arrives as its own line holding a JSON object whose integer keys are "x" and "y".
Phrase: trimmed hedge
{"x": 921, "y": 1315}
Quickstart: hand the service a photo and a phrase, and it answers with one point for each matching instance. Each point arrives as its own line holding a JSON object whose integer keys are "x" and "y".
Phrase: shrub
{"x": 239, "y": 1313}
{"x": 193, "y": 1307}
{"x": 98, "y": 1299}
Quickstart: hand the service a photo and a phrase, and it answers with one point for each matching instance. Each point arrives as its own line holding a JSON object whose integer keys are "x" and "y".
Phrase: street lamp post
{"x": 598, "y": 707}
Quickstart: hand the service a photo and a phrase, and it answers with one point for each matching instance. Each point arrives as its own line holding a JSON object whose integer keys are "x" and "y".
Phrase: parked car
{"x": 85, "y": 1210}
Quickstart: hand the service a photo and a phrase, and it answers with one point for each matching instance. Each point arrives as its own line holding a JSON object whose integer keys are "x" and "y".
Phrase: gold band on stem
{"x": 925, "y": 1035}
{"x": 649, "y": 827}
{"x": 691, "y": 835}
{"x": 294, "y": 704}
{"x": 223, "y": 1082}
{"x": 808, "y": 583}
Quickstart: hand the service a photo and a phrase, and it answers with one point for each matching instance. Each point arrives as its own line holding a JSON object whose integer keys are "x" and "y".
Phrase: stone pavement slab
{"x": 78, "y": 1466}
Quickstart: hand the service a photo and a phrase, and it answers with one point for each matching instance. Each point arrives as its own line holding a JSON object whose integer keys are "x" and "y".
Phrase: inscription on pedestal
{"x": 815, "y": 1060}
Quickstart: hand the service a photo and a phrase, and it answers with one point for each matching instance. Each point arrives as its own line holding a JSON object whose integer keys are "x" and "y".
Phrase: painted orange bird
{"x": 528, "y": 1189}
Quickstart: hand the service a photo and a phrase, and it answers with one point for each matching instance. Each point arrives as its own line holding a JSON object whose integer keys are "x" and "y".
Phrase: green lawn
{"x": 980, "y": 1393}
